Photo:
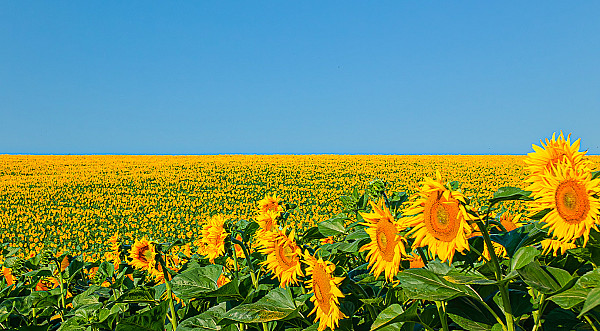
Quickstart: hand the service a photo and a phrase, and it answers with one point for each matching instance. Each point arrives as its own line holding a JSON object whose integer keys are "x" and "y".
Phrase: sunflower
{"x": 268, "y": 223}
{"x": 553, "y": 246}
{"x": 439, "y": 220}
{"x": 551, "y": 153}
{"x": 511, "y": 222}
{"x": 213, "y": 237}
{"x": 415, "y": 261}
{"x": 569, "y": 194}
{"x": 326, "y": 292}
{"x": 8, "y": 276}
{"x": 143, "y": 254}
{"x": 269, "y": 203}
{"x": 386, "y": 249}
{"x": 268, "y": 220}
{"x": 283, "y": 257}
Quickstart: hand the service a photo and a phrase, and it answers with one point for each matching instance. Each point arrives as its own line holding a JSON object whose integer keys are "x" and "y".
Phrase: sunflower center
{"x": 322, "y": 288}
{"x": 572, "y": 202}
{"x": 441, "y": 221}
{"x": 145, "y": 254}
{"x": 386, "y": 235}
{"x": 285, "y": 256}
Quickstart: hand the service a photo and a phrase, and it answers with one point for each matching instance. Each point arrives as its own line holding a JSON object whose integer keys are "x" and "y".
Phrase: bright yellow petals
{"x": 439, "y": 220}
{"x": 269, "y": 203}
{"x": 213, "y": 237}
{"x": 554, "y": 246}
{"x": 268, "y": 220}
{"x": 8, "y": 276}
{"x": 415, "y": 261}
{"x": 569, "y": 194}
{"x": 326, "y": 296}
{"x": 142, "y": 255}
{"x": 283, "y": 257}
{"x": 386, "y": 249}
{"x": 553, "y": 152}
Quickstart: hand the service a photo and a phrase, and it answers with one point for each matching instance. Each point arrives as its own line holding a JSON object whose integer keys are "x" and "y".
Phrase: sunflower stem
{"x": 62, "y": 290}
{"x": 537, "y": 315}
{"x": 249, "y": 261}
{"x": 587, "y": 318}
{"x": 173, "y": 317}
{"x": 364, "y": 295}
{"x": 498, "y": 272}
{"x": 442, "y": 312}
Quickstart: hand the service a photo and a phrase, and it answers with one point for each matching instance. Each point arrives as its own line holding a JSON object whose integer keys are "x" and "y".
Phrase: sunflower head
{"x": 511, "y": 222}
{"x": 439, "y": 219}
{"x": 552, "y": 152}
{"x": 268, "y": 220}
{"x": 326, "y": 292}
{"x": 283, "y": 256}
{"x": 386, "y": 249}
{"x": 269, "y": 203}
{"x": 143, "y": 254}
{"x": 570, "y": 194}
{"x": 213, "y": 237}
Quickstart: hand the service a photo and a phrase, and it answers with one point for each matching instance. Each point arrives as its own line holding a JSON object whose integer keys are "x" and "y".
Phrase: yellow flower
{"x": 553, "y": 246}
{"x": 551, "y": 153}
{"x": 439, "y": 219}
{"x": 143, "y": 255}
{"x": 268, "y": 220}
{"x": 569, "y": 193}
{"x": 511, "y": 223}
{"x": 213, "y": 237}
{"x": 386, "y": 249}
{"x": 269, "y": 203}
{"x": 283, "y": 257}
{"x": 326, "y": 296}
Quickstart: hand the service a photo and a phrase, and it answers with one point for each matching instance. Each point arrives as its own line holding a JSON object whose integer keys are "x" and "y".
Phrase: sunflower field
{"x": 313, "y": 242}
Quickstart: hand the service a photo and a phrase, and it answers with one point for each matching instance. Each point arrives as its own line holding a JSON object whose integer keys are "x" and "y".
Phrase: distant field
{"x": 78, "y": 202}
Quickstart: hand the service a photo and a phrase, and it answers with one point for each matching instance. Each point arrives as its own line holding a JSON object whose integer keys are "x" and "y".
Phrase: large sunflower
{"x": 213, "y": 237}
{"x": 439, "y": 220}
{"x": 551, "y": 153}
{"x": 283, "y": 257}
{"x": 386, "y": 249}
{"x": 326, "y": 292}
{"x": 568, "y": 192}
{"x": 143, "y": 254}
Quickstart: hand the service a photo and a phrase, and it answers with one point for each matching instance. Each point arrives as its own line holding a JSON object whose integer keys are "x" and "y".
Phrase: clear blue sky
{"x": 214, "y": 77}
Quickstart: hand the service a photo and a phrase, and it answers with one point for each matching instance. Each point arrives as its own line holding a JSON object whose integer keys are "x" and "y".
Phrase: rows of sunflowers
{"x": 435, "y": 256}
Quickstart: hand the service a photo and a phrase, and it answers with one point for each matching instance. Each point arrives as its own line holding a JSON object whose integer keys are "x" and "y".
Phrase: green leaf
{"x": 426, "y": 285}
{"x": 74, "y": 267}
{"x": 590, "y": 279}
{"x": 470, "y": 314}
{"x": 195, "y": 282}
{"x": 86, "y": 298}
{"x": 276, "y": 305}
{"x": 464, "y": 278}
{"x": 540, "y": 214}
{"x": 205, "y": 321}
{"x": 510, "y": 193}
{"x": 571, "y": 297}
{"x": 595, "y": 174}
{"x": 547, "y": 280}
{"x": 137, "y": 295}
{"x": 523, "y": 257}
{"x": 150, "y": 320}
{"x": 358, "y": 235}
{"x": 560, "y": 319}
{"x": 333, "y": 226}
{"x": 520, "y": 302}
{"x": 520, "y": 237}
{"x": 312, "y": 234}
{"x": 395, "y": 314}
{"x": 591, "y": 301}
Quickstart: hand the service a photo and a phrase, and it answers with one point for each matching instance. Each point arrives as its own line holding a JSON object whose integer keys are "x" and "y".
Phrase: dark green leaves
{"x": 510, "y": 193}
{"x": 333, "y": 226}
{"x": 150, "y": 320}
{"x": 196, "y": 282}
{"x": 276, "y": 305}
{"x": 426, "y": 285}
{"x": 395, "y": 315}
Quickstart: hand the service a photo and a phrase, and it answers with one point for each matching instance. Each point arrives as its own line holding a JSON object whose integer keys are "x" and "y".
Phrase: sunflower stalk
{"x": 441, "y": 307}
{"x": 502, "y": 286}
{"x": 62, "y": 290}
{"x": 248, "y": 260}
{"x": 173, "y": 317}
{"x": 537, "y": 315}
{"x": 591, "y": 323}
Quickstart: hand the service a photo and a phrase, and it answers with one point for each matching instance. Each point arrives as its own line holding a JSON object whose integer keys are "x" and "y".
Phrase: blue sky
{"x": 302, "y": 77}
